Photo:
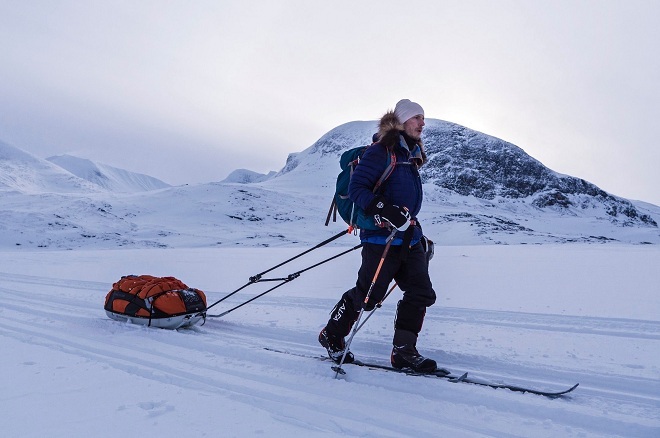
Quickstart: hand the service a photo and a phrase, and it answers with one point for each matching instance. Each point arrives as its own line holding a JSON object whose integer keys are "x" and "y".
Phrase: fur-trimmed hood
{"x": 389, "y": 130}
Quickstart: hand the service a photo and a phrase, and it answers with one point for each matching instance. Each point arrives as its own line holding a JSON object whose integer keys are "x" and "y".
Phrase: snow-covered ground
{"x": 547, "y": 316}
{"x": 539, "y": 297}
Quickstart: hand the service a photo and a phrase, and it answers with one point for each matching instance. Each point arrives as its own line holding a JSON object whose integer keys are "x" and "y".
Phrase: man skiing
{"x": 395, "y": 205}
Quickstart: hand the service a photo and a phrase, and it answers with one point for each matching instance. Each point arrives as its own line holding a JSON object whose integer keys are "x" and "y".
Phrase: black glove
{"x": 399, "y": 217}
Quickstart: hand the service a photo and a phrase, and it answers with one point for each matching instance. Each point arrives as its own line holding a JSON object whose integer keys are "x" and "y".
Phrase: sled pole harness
{"x": 258, "y": 278}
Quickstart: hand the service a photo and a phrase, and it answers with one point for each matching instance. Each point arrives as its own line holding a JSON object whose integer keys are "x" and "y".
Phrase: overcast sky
{"x": 188, "y": 91}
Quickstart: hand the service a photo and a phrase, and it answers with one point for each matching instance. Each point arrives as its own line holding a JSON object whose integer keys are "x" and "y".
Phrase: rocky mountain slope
{"x": 473, "y": 164}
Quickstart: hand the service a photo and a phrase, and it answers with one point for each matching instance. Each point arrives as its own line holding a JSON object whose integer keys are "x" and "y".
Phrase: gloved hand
{"x": 399, "y": 217}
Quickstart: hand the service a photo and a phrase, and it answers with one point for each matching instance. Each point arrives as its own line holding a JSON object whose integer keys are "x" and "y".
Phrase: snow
{"x": 545, "y": 315}
{"x": 107, "y": 177}
{"x": 289, "y": 208}
{"x": 244, "y": 176}
{"x": 516, "y": 304}
{"x": 23, "y": 172}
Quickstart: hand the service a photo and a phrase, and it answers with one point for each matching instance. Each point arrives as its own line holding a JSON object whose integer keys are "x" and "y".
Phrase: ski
{"x": 441, "y": 372}
{"x": 516, "y": 388}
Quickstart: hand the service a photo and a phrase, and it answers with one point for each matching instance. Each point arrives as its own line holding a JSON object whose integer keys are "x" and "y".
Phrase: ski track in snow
{"x": 226, "y": 358}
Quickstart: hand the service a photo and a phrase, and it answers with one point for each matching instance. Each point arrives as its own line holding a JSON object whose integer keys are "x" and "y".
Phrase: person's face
{"x": 414, "y": 126}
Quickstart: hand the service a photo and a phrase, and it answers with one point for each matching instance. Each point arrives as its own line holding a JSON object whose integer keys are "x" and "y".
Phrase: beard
{"x": 414, "y": 134}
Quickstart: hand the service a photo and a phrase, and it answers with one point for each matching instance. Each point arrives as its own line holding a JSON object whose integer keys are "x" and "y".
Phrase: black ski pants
{"x": 411, "y": 273}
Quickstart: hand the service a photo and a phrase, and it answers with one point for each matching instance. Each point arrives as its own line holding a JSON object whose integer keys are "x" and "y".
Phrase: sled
{"x": 171, "y": 323}
{"x": 163, "y": 302}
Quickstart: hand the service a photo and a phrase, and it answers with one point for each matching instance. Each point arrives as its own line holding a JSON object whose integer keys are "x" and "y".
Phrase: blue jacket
{"x": 403, "y": 187}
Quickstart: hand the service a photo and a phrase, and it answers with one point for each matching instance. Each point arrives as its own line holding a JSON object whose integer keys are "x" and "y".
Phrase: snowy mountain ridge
{"x": 244, "y": 176}
{"x": 108, "y": 177}
{"x": 478, "y": 189}
{"x": 25, "y": 173}
{"x": 471, "y": 163}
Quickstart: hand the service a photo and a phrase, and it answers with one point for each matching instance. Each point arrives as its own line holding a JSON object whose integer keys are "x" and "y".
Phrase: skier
{"x": 396, "y": 204}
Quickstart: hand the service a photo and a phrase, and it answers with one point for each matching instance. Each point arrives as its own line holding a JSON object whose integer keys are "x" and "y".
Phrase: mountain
{"x": 23, "y": 172}
{"x": 472, "y": 164}
{"x": 478, "y": 190}
{"x": 244, "y": 176}
{"x": 107, "y": 177}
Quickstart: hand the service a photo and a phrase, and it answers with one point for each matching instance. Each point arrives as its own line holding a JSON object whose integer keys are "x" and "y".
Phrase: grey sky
{"x": 188, "y": 91}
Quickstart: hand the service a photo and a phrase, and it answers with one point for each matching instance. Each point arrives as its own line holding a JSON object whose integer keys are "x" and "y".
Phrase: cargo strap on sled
{"x": 258, "y": 278}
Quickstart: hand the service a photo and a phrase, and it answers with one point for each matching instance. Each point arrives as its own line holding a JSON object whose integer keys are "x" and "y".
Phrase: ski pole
{"x": 378, "y": 306}
{"x": 337, "y": 368}
{"x": 428, "y": 248}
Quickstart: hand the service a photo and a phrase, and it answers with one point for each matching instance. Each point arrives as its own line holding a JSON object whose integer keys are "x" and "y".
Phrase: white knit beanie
{"x": 405, "y": 110}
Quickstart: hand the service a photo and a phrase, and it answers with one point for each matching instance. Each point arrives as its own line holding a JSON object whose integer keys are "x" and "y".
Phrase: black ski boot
{"x": 335, "y": 346}
{"x": 405, "y": 354}
{"x": 342, "y": 318}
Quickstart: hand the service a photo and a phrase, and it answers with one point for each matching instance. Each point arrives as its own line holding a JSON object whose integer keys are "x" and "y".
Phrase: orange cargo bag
{"x": 164, "y": 302}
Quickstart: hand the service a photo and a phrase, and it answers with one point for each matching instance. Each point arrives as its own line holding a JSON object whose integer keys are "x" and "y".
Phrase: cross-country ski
{"x": 441, "y": 373}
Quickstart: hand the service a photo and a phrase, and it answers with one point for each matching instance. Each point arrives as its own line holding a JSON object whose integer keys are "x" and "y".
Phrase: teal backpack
{"x": 352, "y": 214}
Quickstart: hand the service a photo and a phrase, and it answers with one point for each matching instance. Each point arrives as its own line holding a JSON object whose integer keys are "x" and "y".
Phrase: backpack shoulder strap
{"x": 388, "y": 171}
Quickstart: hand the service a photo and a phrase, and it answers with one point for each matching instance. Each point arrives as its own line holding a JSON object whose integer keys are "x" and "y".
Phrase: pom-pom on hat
{"x": 405, "y": 109}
